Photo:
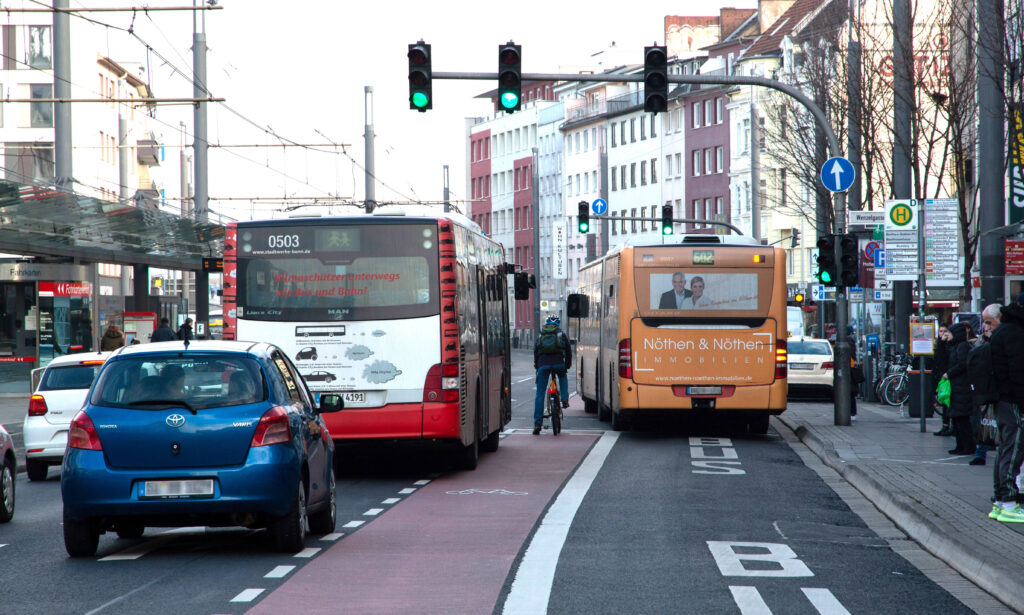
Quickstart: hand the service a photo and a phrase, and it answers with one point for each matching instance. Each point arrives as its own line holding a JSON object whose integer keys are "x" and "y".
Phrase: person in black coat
{"x": 163, "y": 333}
{"x": 940, "y": 363}
{"x": 960, "y": 388}
{"x": 1007, "y": 344}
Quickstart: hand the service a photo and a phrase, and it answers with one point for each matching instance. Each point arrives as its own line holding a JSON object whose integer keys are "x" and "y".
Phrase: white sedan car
{"x": 59, "y": 391}
{"x": 810, "y": 364}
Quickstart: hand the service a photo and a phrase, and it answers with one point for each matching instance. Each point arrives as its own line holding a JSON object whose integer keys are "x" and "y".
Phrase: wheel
{"x": 589, "y": 406}
{"x": 619, "y": 421}
{"x": 37, "y": 470}
{"x": 324, "y": 520}
{"x": 6, "y": 491}
{"x": 469, "y": 455}
{"x": 490, "y": 443}
{"x": 759, "y": 424}
{"x": 883, "y": 389}
{"x": 555, "y": 407}
{"x": 289, "y": 531}
{"x": 130, "y": 529}
{"x": 895, "y": 391}
{"x": 81, "y": 537}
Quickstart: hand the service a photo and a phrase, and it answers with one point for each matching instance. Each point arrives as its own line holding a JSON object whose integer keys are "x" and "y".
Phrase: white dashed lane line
{"x": 308, "y": 552}
{"x": 420, "y": 483}
{"x": 354, "y": 524}
{"x": 332, "y": 536}
{"x": 248, "y": 595}
{"x": 279, "y": 572}
{"x": 406, "y": 491}
{"x": 387, "y": 501}
{"x": 373, "y": 512}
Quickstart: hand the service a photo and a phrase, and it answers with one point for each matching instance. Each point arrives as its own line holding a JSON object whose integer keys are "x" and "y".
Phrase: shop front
{"x": 45, "y": 312}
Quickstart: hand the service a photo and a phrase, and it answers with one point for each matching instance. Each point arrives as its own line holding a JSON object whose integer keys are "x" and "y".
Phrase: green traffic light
{"x": 825, "y": 277}
{"x": 509, "y": 100}
{"x": 584, "y": 227}
{"x": 420, "y": 100}
{"x": 666, "y": 229}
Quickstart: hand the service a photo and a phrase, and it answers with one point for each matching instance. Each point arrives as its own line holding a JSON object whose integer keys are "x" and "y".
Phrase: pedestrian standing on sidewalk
{"x": 960, "y": 389}
{"x": 1008, "y": 370}
{"x": 940, "y": 363}
{"x": 112, "y": 339}
{"x": 979, "y": 372}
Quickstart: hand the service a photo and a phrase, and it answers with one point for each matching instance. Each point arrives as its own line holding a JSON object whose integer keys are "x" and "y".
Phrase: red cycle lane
{"x": 446, "y": 548}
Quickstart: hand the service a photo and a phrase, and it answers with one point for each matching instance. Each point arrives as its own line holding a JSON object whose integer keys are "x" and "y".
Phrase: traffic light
{"x": 655, "y": 79}
{"x": 584, "y": 217}
{"x": 794, "y": 238}
{"x": 420, "y": 96}
{"x": 828, "y": 269}
{"x": 666, "y": 220}
{"x": 798, "y": 298}
{"x": 510, "y": 76}
{"x": 849, "y": 260}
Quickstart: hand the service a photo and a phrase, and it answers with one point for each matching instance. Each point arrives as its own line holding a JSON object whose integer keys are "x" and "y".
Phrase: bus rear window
{"x": 710, "y": 292}
{"x": 379, "y": 272}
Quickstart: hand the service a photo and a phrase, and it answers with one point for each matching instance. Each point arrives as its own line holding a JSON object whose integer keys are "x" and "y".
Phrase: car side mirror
{"x": 330, "y": 402}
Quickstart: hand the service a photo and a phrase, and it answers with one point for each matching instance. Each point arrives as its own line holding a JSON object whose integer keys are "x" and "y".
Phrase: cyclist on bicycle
{"x": 551, "y": 353}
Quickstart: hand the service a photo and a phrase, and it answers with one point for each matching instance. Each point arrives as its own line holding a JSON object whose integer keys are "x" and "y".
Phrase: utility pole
{"x": 903, "y": 97}
{"x": 202, "y": 172}
{"x": 755, "y": 170}
{"x": 62, "y": 89}
{"x": 370, "y": 200}
{"x": 992, "y": 121}
{"x": 535, "y": 252}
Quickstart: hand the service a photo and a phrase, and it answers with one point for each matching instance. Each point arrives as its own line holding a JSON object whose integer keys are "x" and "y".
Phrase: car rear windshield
{"x": 821, "y": 348}
{"x": 70, "y": 377}
{"x": 201, "y": 381}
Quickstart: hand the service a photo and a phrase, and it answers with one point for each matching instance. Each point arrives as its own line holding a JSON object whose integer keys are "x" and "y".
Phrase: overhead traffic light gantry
{"x": 849, "y": 260}
{"x": 510, "y": 76}
{"x": 666, "y": 220}
{"x": 420, "y": 77}
{"x": 655, "y": 78}
{"x": 583, "y": 217}
{"x": 828, "y": 268}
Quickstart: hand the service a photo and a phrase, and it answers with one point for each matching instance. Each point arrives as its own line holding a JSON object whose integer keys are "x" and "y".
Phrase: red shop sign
{"x": 65, "y": 289}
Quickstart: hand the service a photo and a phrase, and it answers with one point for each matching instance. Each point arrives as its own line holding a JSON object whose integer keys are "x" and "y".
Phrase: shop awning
{"x": 39, "y": 221}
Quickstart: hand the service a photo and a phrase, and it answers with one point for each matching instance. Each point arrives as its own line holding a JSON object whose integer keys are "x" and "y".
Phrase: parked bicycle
{"x": 894, "y": 387}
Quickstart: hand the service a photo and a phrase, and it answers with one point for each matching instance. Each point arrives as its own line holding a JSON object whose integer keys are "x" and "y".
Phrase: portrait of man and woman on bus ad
{"x": 717, "y": 291}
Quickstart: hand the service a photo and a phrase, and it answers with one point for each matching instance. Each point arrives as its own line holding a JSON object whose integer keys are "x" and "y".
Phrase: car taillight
{"x": 37, "y": 405}
{"x": 82, "y": 433}
{"x": 625, "y": 359}
{"x": 781, "y": 359}
{"x": 441, "y": 384}
{"x": 273, "y": 428}
{"x": 827, "y": 365}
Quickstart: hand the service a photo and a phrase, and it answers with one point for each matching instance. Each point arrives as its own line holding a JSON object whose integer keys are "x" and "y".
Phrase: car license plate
{"x": 703, "y": 390}
{"x": 170, "y": 489}
{"x": 801, "y": 366}
{"x": 357, "y": 397}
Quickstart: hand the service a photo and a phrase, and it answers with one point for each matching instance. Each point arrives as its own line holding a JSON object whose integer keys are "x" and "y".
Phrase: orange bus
{"x": 698, "y": 326}
{"x": 405, "y": 316}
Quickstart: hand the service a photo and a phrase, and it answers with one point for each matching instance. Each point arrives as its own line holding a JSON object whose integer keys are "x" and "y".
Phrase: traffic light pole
{"x": 843, "y": 350}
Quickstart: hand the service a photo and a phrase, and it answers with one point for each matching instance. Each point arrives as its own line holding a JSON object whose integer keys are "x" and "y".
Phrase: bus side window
{"x": 608, "y": 303}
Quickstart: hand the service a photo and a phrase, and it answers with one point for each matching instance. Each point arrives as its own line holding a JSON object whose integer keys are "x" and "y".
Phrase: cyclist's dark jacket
{"x": 1008, "y": 354}
{"x": 959, "y": 383}
{"x": 553, "y": 359}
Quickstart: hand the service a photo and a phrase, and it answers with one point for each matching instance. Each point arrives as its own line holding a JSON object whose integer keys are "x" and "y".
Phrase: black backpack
{"x": 550, "y": 341}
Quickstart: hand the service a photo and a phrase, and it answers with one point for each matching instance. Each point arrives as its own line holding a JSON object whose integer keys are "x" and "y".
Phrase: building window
{"x": 708, "y": 117}
{"x": 41, "y": 113}
{"x": 643, "y": 172}
{"x": 719, "y": 159}
{"x": 614, "y": 177}
{"x": 643, "y": 221}
{"x": 586, "y": 141}
{"x": 760, "y": 133}
{"x": 718, "y": 206}
{"x": 622, "y": 132}
{"x": 643, "y": 129}
{"x": 622, "y": 176}
{"x": 679, "y": 165}
{"x": 654, "y": 129}
{"x": 720, "y": 110}
{"x": 632, "y": 226}
{"x": 40, "y": 51}
{"x": 708, "y": 168}
{"x": 632, "y": 130}
{"x": 668, "y": 166}
{"x": 695, "y": 113}
{"x": 696, "y": 162}
{"x": 613, "y": 134}
{"x": 668, "y": 122}
{"x": 622, "y": 223}
{"x": 654, "y": 172}
{"x": 632, "y": 175}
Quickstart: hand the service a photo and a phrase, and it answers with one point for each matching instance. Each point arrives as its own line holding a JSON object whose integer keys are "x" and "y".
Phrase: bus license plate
{"x": 176, "y": 488}
{"x": 703, "y": 390}
{"x": 354, "y": 397}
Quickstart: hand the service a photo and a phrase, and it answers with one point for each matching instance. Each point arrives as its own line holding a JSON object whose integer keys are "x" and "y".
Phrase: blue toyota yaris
{"x": 208, "y": 433}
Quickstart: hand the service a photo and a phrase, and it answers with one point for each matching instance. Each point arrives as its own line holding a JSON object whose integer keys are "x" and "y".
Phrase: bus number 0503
{"x": 283, "y": 241}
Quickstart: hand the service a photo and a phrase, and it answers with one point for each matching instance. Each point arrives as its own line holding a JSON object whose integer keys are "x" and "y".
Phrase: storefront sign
{"x": 65, "y": 289}
{"x": 1014, "y": 257}
{"x": 30, "y": 272}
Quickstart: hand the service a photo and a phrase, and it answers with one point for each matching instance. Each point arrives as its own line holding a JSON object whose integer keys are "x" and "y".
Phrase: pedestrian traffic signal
{"x": 666, "y": 220}
{"x": 828, "y": 269}
{"x": 510, "y": 77}
{"x": 583, "y": 218}
{"x": 849, "y": 260}
{"x": 655, "y": 79}
{"x": 420, "y": 96}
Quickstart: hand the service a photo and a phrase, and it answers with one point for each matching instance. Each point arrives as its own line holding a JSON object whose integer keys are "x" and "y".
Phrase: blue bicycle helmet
{"x": 553, "y": 320}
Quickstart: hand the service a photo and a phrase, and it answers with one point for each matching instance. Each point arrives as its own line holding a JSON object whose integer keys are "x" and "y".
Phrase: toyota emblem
{"x": 175, "y": 420}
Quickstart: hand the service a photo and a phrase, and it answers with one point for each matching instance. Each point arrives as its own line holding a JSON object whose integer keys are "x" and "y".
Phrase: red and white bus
{"x": 405, "y": 316}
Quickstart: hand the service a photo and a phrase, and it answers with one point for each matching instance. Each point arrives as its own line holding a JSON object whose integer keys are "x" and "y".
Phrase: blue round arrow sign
{"x": 599, "y": 206}
{"x": 837, "y": 174}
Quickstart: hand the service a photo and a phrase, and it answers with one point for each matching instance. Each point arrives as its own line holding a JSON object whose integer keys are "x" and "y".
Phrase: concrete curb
{"x": 931, "y": 532}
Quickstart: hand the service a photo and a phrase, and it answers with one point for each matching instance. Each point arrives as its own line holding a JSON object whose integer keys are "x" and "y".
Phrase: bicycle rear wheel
{"x": 555, "y": 409}
{"x": 895, "y": 392}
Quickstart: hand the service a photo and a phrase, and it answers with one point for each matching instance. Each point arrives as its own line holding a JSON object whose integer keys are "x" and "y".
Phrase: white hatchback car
{"x": 810, "y": 364}
{"x": 59, "y": 391}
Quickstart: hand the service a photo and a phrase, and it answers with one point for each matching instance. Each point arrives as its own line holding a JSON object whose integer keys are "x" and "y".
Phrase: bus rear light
{"x": 37, "y": 406}
{"x": 625, "y": 359}
{"x": 82, "y": 433}
{"x": 441, "y": 384}
{"x": 781, "y": 359}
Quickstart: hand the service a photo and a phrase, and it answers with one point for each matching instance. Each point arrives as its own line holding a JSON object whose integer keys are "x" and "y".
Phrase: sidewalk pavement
{"x": 937, "y": 499}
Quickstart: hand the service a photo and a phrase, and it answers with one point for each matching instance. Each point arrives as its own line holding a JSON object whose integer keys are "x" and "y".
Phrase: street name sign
{"x": 865, "y": 218}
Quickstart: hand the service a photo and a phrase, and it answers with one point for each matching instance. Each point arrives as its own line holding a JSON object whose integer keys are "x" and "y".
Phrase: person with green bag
{"x": 940, "y": 363}
{"x": 942, "y": 391}
{"x": 960, "y": 389}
